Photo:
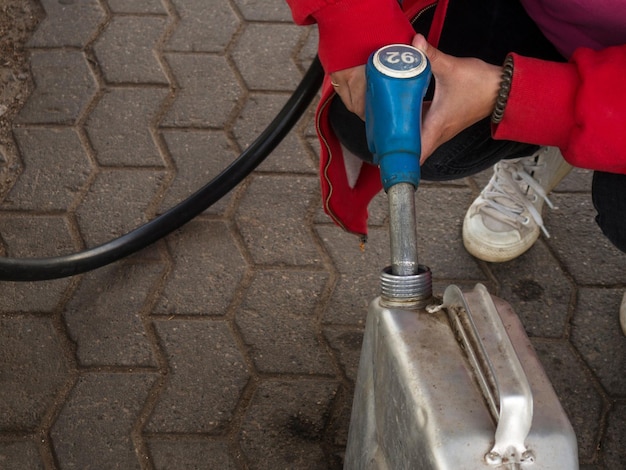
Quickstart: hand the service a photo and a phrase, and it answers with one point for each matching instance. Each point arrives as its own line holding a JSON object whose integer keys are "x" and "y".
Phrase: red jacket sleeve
{"x": 350, "y": 30}
{"x": 579, "y": 106}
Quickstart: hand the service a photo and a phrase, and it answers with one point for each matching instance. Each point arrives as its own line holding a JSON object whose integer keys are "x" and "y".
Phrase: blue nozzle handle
{"x": 397, "y": 80}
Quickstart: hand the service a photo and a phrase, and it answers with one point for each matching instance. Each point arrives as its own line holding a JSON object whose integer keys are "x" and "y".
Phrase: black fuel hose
{"x": 40, "y": 269}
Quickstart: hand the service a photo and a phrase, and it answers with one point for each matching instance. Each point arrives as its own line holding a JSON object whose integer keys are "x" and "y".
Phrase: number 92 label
{"x": 400, "y": 60}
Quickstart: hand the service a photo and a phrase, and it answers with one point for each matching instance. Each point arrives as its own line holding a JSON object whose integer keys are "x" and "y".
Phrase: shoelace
{"x": 505, "y": 184}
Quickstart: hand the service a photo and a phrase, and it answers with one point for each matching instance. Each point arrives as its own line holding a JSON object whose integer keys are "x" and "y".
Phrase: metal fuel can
{"x": 456, "y": 386}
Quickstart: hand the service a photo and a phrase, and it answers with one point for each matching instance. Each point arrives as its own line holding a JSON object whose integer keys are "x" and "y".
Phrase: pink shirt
{"x": 569, "y": 24}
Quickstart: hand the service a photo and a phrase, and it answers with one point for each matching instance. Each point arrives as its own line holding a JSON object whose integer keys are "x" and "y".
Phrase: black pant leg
{"x": 609, "y": 199}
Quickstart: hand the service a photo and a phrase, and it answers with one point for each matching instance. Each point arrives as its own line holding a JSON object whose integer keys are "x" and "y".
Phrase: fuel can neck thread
{"x": 411, "y": 292}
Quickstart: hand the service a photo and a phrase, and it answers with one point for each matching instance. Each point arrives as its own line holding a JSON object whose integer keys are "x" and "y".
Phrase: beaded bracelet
{"x": 503, "y": 93}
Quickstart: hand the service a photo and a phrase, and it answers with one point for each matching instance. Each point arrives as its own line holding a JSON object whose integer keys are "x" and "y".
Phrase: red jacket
{"x": 585, "y": 115}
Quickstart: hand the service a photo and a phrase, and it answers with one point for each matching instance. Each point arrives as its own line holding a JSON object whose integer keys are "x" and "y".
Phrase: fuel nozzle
{"x": 397, "y": 80}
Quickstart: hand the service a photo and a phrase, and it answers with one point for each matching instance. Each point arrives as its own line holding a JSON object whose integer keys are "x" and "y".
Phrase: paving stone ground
{"x": 233, "y": 343}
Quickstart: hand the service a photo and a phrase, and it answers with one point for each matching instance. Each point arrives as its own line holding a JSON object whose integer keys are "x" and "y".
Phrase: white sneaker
{"x": 622, "y": 314}
{"x": 505, "y": 220}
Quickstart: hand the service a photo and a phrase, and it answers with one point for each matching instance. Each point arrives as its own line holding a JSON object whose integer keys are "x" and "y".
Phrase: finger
{"x": 434, "y": 55}
{"x": 357, "y": 100}
{"x": 352, "y": 96}
{"x": 341, "y": 88}
{"x": 420, "y": 42}
{"x": 428, "y": 134}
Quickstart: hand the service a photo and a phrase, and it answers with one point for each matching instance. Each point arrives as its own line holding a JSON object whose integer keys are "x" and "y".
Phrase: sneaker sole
{"x": 492, "y": 253}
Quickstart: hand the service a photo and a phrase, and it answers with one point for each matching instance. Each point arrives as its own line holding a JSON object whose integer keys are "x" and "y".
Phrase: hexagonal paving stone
{"x": 262, "y": 55}
{"x": 291, "y": 154}
{"x": 199, "y": 396}
{"x": 96, "y": 422}
{"x": 207, "y": 269}
{"x": 587, "y": 254}
{"x": 208, "y": 91}
{"x": 126, "y": 50}
{"x": 136, "y": 6}
{"x": 359, "y": 272}
{"x": 199, "y": 156}
{"x": 64, "y": 87}
{"x": 278, "y": 320}
{"x": 28, "y": 236}
{"x": 615, "y": 438}
{"x": 538, "y": 290}
{"x": 56, "y": 168}
{"x": 190, "y": 454}
{"x": 337, "y": 432}
{"x": 33, "y": 370}
{"x": 346, "y": 343}
{"x": 285, "y": 424}
{"x": 576, "y": 391}
{"x": 440, "y": 211}
{"x": 204, "y": 26}
{"x": 286, "y": 240}
{"x": 104, "y": 316}
{"x": 68, "y": 23}
{"x": 120, "y": 127}
{"x": 309, "y": 50}
{"x": 265, "y": 10}
{"x": 20, "y": 454}
{"x": 117, "y": 202}
{"x": 597, "y": 335}
{"x": 578, "y": 180}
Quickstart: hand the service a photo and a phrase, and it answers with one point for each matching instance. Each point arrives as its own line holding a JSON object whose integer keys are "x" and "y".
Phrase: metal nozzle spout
{"x": 403, "y": 229}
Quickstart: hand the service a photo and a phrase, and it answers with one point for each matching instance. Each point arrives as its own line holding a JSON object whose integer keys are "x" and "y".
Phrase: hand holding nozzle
{"x": 397, "y": 80}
